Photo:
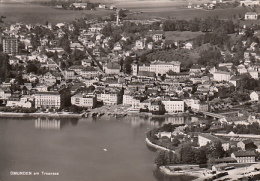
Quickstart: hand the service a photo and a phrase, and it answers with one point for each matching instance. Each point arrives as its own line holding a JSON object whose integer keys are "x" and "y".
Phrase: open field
{"x": 181, "y": 36}
{"x": 181, "y": 13}
{"x": 33, "y": 13}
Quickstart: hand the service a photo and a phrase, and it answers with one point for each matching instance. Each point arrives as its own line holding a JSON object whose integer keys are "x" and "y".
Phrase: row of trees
{"x": 205, "y": 25}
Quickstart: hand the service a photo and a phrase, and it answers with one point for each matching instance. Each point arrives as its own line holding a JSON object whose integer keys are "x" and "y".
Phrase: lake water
{"x": 105, "y": 149}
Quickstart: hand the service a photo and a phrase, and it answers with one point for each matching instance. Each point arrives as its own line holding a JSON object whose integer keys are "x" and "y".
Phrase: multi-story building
{"x": 251, "y": 16}
{"x": 89, "y": 72}
{"x": 76, "y": 68}
{"x": 89, "y": 101}
{"x": 18, "y": 101}
{"x": 10, "y": 46}
{"x": 157, "y": 37}
{"x": 130, "y": 100}
{"x": 109, "y": 98}
{"x": 69, "y": 74}
{"x": 221, "y": 76}
{"x": 47, "y": 100}
{"x": 112, "y": 68}
{"x": 140, "y": 44}
{"x": 200, "y": 106}
{"x": 157, "y": 67}
{"x": 5, "y": 94}
{"x": 173, "y": 105}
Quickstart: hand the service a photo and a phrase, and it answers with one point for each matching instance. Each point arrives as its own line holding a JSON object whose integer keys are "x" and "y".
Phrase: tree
{"x": 160, "y": 158}
{"x": 31, "y": 67}
{"x": 127, "y": 65}
{"x": 175, "y": 142}
{"x": 186, "y": 153}
{"x": 215, "y": 149}
{"x": 107, "y": 30}
{"x": 164, "y": 157}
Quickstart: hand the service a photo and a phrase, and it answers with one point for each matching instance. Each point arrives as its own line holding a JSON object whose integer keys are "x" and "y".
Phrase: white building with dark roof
{"x": 251, "y": 16}
{"x": 244, "y": 156}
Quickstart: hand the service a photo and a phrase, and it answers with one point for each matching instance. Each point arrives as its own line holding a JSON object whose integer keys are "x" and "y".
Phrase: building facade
{"x": 173, "y": 106}
{"x": 89, "y": 101}
{"x": 10, "y": 46}
{"x": 47, "y": 100}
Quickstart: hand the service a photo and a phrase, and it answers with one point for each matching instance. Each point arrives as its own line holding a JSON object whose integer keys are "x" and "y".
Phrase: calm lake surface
{"x": 105, "y": 149}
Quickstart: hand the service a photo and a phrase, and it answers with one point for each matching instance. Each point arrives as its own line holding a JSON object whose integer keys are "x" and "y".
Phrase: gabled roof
{"x": 251, "y": 13}
{"x": 89, "y": 69}
{"x": 76, "y": 67}
{"x": 244, "y": 153}
{"x": 146, "y": 73}
{"x": 248, "y": 141}
{"x": 113, "y": 65}
{"x": 196, "y": 66}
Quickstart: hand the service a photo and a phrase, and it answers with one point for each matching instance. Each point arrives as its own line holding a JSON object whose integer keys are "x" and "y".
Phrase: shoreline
{"x": 157, "y": 147}
{"x": 54, "y": 115}
{"x": 77, "y": 115}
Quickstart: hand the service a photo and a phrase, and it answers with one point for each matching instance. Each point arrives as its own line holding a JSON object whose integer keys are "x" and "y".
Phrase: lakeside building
{"x": 131, "y": 100}
{"x": 173, "y": 105}
{"x": 18, "y": 101}
{"x": 89, "y": 101}
{"x": 110, "y": 96}
{"x": 10, "y": 46}
{"x": 5, "y": 94}
{"x": 47, "y": 100}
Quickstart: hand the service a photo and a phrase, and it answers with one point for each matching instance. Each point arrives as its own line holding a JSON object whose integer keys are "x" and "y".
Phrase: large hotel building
{"x": 10, "y": 46}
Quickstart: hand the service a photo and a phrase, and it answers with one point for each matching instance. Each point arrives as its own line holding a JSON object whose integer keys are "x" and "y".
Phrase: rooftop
{"x": 244, "y": 153}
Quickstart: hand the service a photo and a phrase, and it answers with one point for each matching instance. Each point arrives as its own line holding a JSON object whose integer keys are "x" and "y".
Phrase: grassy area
{"x": 34, "y": 13}
{"x": 181, "y": 36}
{"x": 184, "y": 13}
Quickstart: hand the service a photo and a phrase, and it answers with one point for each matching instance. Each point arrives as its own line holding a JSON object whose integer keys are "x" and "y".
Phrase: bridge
{"x": 216, "y": 115}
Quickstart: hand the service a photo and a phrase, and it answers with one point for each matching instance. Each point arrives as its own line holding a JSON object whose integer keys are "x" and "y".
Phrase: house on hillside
{"x": 188, "y": 46}
{"x": 254, "y": 96}
{"x": 251, "y": 16}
